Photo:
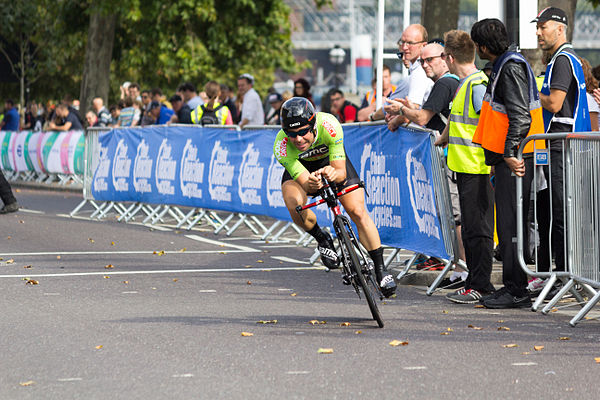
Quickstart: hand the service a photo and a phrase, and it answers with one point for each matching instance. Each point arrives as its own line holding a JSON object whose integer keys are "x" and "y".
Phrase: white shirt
{"x": 593, "y": 106}
{"x": 194, "y": 102}
{"x": 419, "y": 85}
{"x": 252, "y": 108}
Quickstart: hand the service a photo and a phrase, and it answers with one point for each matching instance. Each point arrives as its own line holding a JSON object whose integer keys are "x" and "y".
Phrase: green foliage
{"x": 160, "y": 43}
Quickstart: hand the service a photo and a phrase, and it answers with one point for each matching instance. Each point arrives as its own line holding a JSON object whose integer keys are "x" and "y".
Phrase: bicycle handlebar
{"x": 342, "y": 192}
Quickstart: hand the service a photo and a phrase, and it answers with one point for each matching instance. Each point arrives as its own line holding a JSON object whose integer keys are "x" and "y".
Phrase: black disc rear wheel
{"x": 356, "y": 268}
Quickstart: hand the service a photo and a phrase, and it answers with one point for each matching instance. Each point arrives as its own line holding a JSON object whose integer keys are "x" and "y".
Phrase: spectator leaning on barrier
{"x": 510, "y": 112}
{"x": 367, "y": 107}
{"x": 146, "y": 100}
{"x": 127, "y": 112}
{"x": 274, "y": 114}
{"x": 103, "y": 114}
{"x": 64, "y": 120}
{"x": 11, "y": 117}
{"x": 344, "y": 110}
{"x": 467, "y": 160}
{"x": 182, "y": 111}
{"x": 565, "y": 109}
{"x": 91, "y": 118}
{"x": 212, "y": 112}
{"x": 226, "y": 98}
{"x": 190, "y": 96}
{"x": 252, "y": 110}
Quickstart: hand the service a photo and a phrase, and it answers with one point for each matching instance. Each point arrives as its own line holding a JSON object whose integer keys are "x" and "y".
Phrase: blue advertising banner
{"x": 235, "y": 171}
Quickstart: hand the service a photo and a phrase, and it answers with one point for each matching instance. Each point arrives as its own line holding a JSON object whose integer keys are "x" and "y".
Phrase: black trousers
{"x": 476, "y": 200}
{"x": 6, "y": 193}
{"x": 513, "y": 276}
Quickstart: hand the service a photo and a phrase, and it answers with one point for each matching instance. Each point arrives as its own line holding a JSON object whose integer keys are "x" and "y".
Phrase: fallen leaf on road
{"x": 357, "y": 332}
{"x": 450, "y": 330}
{"x": 18, "y": 190}
{"x": 564, "y": 338}
{"x": 8, "y": 237}
{"x": 106, "y": 277}
{"x": 395, "y": 343}
{"x": 445, "y": 333}
{"x": 273, "y": 321}
{"x": 112, "y": 243}
{"x": 28, "y": 383}
{"x": 554, "y": 309}
{"x": 345, "y": 324}
{"x": 99, "y": 347}
{"x": 249, "y": 283}
{"x": 183, "y": 250}
{"x": 91, "y": 240}
{"x": 11, "y": 261}
{"x": 159, "y": 253}
{"x": 525, "y": 353}
{"x": 444, "y": 312}
{"x": 259, "y": 261}
{"x": 510, "y": 345}
{"x": 247, "y": 334}
{"x": 293, "y": 295}
{"x": 21, "y": 221}
{"x": 247, "y": 266}
{"x": 175, "y": 279}
{"x": 27, "y": 266}
{"x": 109, "y": 266}
{"x": 58, "y": 257}
{"x": 597, "y": 359}
{"x": 126, "y": 282}
{"x": 503, "y": 328}
{"x": 538, "y": 348}
{"x": 325, "y": 351}
{"x": 500, "y": 321}
{"x": 479, "y": 306}
{"x": 30, "y": 281}
{"x": 477, "y": 328}
{"x": 317, "y": 322}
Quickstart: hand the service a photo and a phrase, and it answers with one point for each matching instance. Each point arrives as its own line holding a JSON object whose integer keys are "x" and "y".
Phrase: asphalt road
{"x": 112, "y": 316}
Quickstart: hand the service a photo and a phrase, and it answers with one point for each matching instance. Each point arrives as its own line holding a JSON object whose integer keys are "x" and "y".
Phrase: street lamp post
{"x": 337, "y": 56}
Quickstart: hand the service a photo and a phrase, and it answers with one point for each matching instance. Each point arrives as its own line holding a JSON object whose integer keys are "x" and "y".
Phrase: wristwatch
{"x": 371, "y": 116}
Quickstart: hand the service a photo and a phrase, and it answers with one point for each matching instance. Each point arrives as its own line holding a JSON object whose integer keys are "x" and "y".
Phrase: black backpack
{"x": 209, "y": 117}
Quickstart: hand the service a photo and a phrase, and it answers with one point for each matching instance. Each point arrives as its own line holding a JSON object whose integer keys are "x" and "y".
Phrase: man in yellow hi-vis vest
{"x": 467, "y": 160}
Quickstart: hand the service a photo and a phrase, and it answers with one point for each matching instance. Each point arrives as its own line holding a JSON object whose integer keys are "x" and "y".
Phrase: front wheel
{"x": 349, "y": 254}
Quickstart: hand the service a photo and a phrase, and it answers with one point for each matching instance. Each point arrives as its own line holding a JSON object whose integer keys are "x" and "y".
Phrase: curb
{"x": 426, "y": 278}
{"x": 73, "y": 188}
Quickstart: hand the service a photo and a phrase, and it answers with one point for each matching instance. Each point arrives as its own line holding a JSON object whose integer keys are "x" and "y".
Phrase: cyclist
{"x": 311, "y": 145}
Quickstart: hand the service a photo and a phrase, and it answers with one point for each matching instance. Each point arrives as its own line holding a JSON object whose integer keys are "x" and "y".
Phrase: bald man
{"x": 103, "y": 114}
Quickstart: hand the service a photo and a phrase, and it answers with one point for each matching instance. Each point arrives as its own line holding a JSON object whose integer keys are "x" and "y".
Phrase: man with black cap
{"x": 565, "y": 109}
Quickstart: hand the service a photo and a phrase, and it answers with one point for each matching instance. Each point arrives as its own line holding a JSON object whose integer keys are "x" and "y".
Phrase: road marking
{"x": 130, "y": 292}
{"x": 414, "y": 368}
{"x": 222, "y": 244}
{"x": 298, "y": 372}
{"x": 25, "y": 210}
{"x": 524, "y": 364}
{"x": 285, "y": 290}
{"x": 87, "y": 253}
{"x": 290, "y": 260}
{"x": 183, "y": 376}
{"x": 70, "y": 379}
{"x": 207, "y": 291}
{"x": 51, "y": 294}
{"x": 173, "y": 271}
{"x": 278, "y": 246}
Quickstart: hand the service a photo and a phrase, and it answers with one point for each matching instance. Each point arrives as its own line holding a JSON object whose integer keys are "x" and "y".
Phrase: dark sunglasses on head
{"x": 301, "y": 132}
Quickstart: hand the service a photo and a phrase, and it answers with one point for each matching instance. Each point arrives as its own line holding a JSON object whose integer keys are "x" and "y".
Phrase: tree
{"x": 439, "y": 17}
{"x": 23, "y": 41}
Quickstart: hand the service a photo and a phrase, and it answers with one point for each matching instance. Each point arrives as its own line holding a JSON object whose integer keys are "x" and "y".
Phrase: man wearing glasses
{"x": 413, "y": 39}
{"x": 311, "y": 145}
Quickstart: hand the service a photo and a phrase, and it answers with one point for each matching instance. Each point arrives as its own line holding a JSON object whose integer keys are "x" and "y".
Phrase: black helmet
{"x": 297, "y": 112}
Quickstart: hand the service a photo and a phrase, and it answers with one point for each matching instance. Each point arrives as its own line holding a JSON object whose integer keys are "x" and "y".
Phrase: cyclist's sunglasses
{"x": 301, "y": 132}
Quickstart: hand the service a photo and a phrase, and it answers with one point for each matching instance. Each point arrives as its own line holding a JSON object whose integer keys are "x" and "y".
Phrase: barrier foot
{"x": 134, "y": 212}
{"x": 431, "y": 289}
{"x": 127, "y": 211}
{"x": 582, "y": 313}
{"x": 186, "y": 218}
{"x": 239, "y": 222}
{"x": 540, "y": 299}
{"x": 258, "y": 223}
{"x": 79, "y": 207}
{"x": 223, "y": 223}
{"x": 281, "y": 231}
{"x": 566, "y": 287}
{"x": 106, "y": 209}
{"x": 98, "y": 210}
{"x": 407, "y": 267}
{"x": 271, "y": 229}
{"x": 160, "y": 215}
{"x": 151, "y": 214}
{"x": 197, "y": 219}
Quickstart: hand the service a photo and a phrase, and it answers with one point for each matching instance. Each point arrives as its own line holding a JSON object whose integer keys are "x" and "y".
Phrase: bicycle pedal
{"x": 346, "y": 281}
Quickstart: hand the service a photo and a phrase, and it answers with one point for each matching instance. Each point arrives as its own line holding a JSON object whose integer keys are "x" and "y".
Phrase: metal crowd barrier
{"x": 446, "y": 217}
{"x": 580, "y": 156}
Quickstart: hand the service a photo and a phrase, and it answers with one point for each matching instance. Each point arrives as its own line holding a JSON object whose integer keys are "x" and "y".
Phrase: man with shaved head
{"x": 103, "y": 114}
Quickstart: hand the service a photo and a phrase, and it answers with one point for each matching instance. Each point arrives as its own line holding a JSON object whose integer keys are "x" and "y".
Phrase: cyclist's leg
{"x": 354, "y": 204}
{"x": 293, "y": 196}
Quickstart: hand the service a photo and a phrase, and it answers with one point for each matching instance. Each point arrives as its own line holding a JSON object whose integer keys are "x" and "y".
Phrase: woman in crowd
{"x": 302, "y": 89}
{"x": 591, "y": 83}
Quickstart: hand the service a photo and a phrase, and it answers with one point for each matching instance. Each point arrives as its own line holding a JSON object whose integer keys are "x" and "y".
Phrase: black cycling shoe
{"x": 388, "y": 286}
{"x": 329, "y": 256}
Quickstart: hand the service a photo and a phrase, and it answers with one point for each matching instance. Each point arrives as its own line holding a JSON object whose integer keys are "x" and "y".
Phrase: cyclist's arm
{"x": 334, "y": 172}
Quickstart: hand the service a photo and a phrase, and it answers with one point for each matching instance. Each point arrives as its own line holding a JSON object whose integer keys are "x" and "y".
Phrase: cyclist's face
{"x": 302, "y": 142}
